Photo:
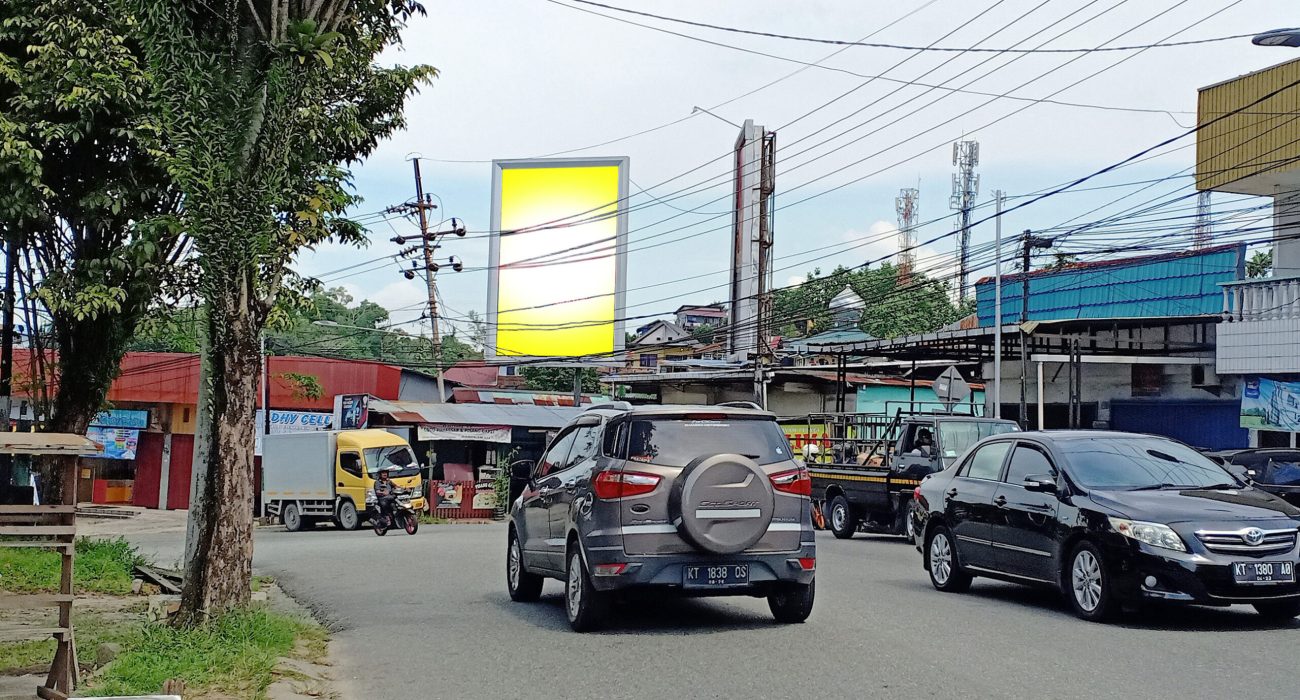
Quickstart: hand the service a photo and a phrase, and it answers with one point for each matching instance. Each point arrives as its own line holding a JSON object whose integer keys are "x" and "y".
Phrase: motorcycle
{"x": 403, "y": 515}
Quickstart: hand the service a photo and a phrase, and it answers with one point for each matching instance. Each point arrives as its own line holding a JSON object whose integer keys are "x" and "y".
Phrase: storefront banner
{"x": 1270, "y": 405}
{"x": 114, "y": 443}
{"x": 283, "y": 422}
{"x": 121, "y": 418}
{"x": 477, "y": 433}
{"x": 351, "y": 411}
{"x": 448, "y": 494}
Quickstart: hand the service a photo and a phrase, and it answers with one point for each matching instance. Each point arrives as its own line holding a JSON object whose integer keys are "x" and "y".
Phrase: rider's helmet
{"x": 383, "y": 473}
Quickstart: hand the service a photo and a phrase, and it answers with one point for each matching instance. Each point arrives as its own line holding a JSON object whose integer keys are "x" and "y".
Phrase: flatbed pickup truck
{"x": 865, "y": 466}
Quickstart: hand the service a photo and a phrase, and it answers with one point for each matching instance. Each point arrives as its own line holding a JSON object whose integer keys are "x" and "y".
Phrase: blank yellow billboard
{"x": 556, "y": 257}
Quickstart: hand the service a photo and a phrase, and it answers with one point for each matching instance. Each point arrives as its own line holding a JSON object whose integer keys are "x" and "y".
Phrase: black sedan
{"x": 1109, "y": 519}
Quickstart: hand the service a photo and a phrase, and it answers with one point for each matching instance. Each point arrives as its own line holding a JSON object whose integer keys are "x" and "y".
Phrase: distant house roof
{"x": 521, "y": 397}
{"x": 712, "y": 309}
{"x": 527, "y": 416}
{"x": 1178, "y": 284}
{"x": 673, "y": 332}
{"x": 474, "y": 373}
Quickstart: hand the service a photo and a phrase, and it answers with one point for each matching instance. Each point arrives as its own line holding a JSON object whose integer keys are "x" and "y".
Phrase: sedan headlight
{"x": 1154, "y": 534}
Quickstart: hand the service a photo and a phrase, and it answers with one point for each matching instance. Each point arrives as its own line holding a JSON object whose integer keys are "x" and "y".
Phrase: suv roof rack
{"x": 741, "y": 404}
{"x": 611, "y": 406}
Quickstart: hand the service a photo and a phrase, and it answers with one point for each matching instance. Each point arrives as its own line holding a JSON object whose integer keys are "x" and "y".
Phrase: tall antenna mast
{"x": 1201, "y": 235}
{"x": 907, "y": 205}
{"x": 965, "y": 188}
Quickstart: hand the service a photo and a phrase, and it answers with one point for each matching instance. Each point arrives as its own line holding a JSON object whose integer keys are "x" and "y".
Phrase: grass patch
{"x": 235, "y": 654}
{"x": 262, "y": 582}
{"x": 426, "y": 519}
{"x": 101, "y": 566}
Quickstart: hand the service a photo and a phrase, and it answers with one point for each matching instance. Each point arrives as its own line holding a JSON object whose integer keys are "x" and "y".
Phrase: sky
{"x": 525, "y": 78}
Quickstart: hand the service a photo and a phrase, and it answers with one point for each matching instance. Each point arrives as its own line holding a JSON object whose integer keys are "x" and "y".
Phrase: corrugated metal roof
{"x": 521, "y": 416}
{"x": 1155, "y": 286}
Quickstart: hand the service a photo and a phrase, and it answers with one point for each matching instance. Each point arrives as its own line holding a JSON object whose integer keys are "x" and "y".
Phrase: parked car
{"x": 697, "y": 501}
{"x": 1109, "y": 519}
{"x": 1274, "y": 470}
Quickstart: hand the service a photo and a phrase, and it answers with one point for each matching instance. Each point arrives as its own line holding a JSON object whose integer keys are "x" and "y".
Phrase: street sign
{"x": 950, "y": 387}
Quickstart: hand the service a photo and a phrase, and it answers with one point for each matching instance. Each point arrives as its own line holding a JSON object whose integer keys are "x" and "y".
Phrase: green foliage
{"x": 892, "y": 310}
{"x": 102, "y": 566}
{"x": 558, "y": 379}
{"x": 1260, "y": 264}
{"x": 234, "y": 653}
{"x": 1061, "y": 261}
{"x": 305, "y": 386}
{"x": 92, "y": 628}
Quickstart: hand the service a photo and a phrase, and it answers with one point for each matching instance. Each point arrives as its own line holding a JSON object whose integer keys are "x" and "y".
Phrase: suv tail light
{"x": 610, "y": 485}
{"x": 795, "y": 481}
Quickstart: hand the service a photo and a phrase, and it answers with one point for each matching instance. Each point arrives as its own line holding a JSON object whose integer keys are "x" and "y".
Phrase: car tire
{"x": 941, "y": 558}
{"x": 291, "y": 517}
{"x": 792, "y": 603}
{"x": 842, "y": 521}
{"x": 524, "y": 587}
{"x": 1279, "y": 611}
{"x": 1088, "y": 584}
{"x": 585, "y": 606}
{"x": 347, "y": 517}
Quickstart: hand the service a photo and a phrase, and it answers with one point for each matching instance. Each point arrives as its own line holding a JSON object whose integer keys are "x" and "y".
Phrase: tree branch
{"x": 257, "y": 17}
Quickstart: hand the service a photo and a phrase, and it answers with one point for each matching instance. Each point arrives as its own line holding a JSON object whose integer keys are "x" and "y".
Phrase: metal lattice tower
{"x": 965, "y": 188}
{"x": 1201, "y": 235}
{"x": 907, "y": 205}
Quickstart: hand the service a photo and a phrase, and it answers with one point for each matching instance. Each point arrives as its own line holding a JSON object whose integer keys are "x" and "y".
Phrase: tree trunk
{"x": 90, "y": 358}
{"x": 218, "y": 568}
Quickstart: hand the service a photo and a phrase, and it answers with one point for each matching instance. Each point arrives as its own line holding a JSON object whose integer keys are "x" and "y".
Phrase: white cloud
{"x": 794, "y": 280}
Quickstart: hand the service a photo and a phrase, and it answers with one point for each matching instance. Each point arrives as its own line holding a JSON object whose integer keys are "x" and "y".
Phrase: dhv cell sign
{"x": 299, "y": 421}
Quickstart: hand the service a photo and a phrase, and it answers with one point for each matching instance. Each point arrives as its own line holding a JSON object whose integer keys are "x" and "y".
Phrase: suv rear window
{"x": 676, "y": 442}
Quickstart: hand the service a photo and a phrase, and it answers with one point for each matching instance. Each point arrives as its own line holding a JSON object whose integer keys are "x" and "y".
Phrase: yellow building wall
{"x": 1262, "y": 139}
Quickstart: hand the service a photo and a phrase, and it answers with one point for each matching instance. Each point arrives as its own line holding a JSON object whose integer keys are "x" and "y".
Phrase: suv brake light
{"x": 795, "y": 481}
{"x": 610, "y": 485}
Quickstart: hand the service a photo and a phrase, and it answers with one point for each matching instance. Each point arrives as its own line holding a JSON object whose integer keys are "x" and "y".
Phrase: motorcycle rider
{"x": 385, "y": 494}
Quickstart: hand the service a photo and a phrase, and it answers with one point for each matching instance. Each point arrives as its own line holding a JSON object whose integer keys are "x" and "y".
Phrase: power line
{"x": 903, "y": 47}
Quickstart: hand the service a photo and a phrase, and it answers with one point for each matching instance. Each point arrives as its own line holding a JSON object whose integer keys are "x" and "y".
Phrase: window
{"x": 1146, "y": 462}
{"x": 649, "y": 360}
{"x": 397, "y": 459}
{"x": 676, "y": 442}
{"x": 615, "y": 438}
{"x": 1027, "y": 461}
{"x": 956, "y": 436}
{"x": 986, "y": 463}
{"x": 585, "y": 446}
{"x": 350, "y": 462}
{"x": 556, "y": 456}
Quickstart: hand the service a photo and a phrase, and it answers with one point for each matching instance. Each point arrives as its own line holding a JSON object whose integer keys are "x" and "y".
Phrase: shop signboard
{"x": 283, "y": 422}
{"x": 1267, "y": 404}
{"x": 351, "y": 411}
{"x": 475, "y": 433}
{"x": 114, "y": 443}
{"x": 121, "y": 418}
{"x": 448, "y": 494}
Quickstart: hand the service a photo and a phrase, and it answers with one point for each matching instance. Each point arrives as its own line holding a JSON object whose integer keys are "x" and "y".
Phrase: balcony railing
{"x": 1267, "y": 299}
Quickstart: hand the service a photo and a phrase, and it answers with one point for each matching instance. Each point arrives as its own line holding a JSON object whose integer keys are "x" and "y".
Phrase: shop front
{"x": 111, "y": 470}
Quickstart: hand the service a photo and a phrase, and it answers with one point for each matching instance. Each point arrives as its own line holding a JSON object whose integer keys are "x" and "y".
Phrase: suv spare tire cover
{"x": 722, "y": 503}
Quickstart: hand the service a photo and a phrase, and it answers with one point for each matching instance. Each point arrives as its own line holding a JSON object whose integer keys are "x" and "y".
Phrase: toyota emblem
{"x": 1254, "y": 537}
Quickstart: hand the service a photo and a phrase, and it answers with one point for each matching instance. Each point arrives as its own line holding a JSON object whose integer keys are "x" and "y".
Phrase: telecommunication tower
{"x": 907, "y": 205}
{"x": 1201, "y": 235}
{"x": 965, "y": 188}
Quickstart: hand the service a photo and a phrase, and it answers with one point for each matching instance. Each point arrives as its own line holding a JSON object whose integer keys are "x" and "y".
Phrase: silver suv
{"x": 693, "y": 500}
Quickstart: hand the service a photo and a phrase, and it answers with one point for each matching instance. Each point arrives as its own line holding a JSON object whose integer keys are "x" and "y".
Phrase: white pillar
{"x": 1040, "y": 396}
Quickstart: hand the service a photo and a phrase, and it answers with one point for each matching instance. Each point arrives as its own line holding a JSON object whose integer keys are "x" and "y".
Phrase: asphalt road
{"x": 428, "y": 616}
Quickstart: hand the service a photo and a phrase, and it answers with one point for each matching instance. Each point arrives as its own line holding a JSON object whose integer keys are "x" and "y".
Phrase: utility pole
{"x": 907, "y": 204}
{"x": 7, "y": 354}
{"x": 997, "y": 306}
{"x": 751, "y": 252}
{"x": 767, "y": 189}
{"x": 1028, "y": 243}
{"x": 429, "y": 280}
{"x": 965, "y": 187}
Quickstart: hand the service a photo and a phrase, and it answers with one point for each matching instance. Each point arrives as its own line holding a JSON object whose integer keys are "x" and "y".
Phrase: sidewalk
{"x": 144, "y": 521}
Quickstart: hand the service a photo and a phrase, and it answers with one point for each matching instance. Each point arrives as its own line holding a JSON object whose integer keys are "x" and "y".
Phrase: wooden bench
{"x": 46, "y": 527}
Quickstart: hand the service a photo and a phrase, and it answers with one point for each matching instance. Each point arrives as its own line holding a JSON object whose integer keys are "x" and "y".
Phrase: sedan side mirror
{"x": 1040, "y": 483}
{"x": 522, "y": 470}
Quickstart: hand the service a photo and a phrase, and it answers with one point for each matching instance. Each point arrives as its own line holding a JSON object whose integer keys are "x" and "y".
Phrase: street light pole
{"x": 1278, "y": 37}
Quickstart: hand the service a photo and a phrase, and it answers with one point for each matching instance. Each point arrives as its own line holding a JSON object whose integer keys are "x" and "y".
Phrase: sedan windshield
{"x": 1141, "y": 463}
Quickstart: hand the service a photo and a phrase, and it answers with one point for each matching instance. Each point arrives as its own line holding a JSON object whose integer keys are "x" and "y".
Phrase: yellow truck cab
{"x": 310, "y": 477}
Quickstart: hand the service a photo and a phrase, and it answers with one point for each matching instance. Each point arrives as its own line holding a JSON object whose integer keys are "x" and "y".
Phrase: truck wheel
{"x": 347, "y": 518}
{"x": 291, "y": 518}
{"x": 843, "y": 521}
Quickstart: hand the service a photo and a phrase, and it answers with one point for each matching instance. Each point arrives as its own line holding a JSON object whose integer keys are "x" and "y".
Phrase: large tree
{"x": 262, "y": 107}
{"x": 84, "y": 206}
